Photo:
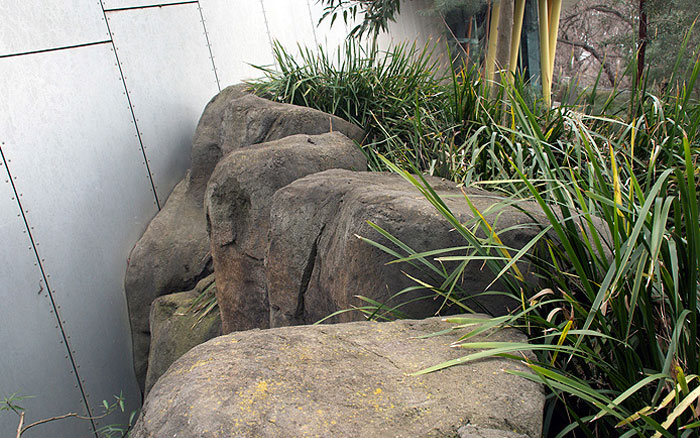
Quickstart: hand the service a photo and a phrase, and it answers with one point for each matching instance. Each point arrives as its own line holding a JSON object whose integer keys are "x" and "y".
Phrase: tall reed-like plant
{"x": 614, "y": 323}
{"x": 363, "y": 85}
{"x": 614, "y": 326}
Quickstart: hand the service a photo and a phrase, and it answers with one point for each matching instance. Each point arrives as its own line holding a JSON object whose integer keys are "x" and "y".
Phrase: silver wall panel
{"x": 289, "y": 22}
{"x": 71, "y": 144}
{"x": 31, "y": 25}
{"x": 120, "y": 4}
{"x": 29, "y": 336}
{"x": 170, "y": 77}
{"x": 238, "y": 37}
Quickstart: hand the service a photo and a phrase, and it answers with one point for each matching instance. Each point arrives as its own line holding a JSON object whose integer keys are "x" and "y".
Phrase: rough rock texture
{"x": 316, "y": 264}
{"x": 471, "y": 431}
{"x": 174, "y": 251}
{"x": 171, "y": 256}
{"x": 250, "y": 120}
{"x": 175, "y": 329}
{"x": 208, "y": 136}
{"x": 341, "y": 381}
{"x": 237, "y": 203}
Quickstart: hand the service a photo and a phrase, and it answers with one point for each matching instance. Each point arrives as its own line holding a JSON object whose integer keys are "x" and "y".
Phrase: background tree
{"x": 668, "y": 23}
{"x": 606, "y": 36}
{"x": 595, "y": 35}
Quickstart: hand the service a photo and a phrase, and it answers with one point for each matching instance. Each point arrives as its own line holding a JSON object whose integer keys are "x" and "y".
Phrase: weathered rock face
{"x": 175, "y": 329}
{"x": 315, "y": 263}
{"x": 471, "y": 431}
{"x": 174, "y": 251}
{"x": 207, "y": 137}
{"x": 238, "y": 209}
{"x": 171, "y": 256}
{"x": 250, "y": 120}
{"x": 344, "y": 380}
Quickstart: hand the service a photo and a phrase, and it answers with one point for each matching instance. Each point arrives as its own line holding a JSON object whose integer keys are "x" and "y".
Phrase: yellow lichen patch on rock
{"x": 200, "y": 363}
{"x": 253, "y": 399}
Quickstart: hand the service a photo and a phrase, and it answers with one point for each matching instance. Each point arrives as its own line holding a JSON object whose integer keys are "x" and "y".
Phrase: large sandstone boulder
{"x": 342, "y": 381}
{"x": 315, "y": 263}
{"x": 175, "y": 329}
{"x": 238, "y": 209}
{"x": 174, "y": 251}
{"x": 471, "y": 431}
{"x": 206, "y": 150}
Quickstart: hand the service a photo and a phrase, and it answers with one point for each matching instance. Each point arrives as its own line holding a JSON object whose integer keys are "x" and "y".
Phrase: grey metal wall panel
{"x": 238, "y": 38}
{"x": 170, "y": 77}
{"x": 120, "y": 4}
{"x": 29, "y": 334}
{"x": 289, "y": 22}
{"x": 70, "y": 141}
{"x": 32, "y": 25}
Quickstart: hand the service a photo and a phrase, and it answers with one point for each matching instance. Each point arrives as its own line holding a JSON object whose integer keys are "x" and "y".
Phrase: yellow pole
{"x": 518, "y": 16}
{"x": 553, "y": 35}
{"x": 493, "y": 40}
{"x": 544, "y": 52}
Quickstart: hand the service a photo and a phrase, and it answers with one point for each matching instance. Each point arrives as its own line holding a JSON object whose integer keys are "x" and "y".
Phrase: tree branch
{"x": 606, "y": 67}
{"x": 604, "y": 9}
{"x": 61, "y": 417}
{"x": 21, "y": 423}
{"x": 46, "y": 420}
{"x": 608, "y": 10}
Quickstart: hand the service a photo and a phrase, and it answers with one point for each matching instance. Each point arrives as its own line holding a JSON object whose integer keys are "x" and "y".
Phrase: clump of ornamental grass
{"x": 415, "y": 113}
{"x": 361, "y": 84}
{"x": 614, "y": 322}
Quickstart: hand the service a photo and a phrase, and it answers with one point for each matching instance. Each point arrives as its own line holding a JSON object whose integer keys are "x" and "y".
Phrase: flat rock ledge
{"x": 341, "y": 380}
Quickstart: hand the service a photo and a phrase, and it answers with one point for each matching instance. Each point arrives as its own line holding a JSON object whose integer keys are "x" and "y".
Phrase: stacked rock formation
{"x": 272, "y": 210}
{"x": 174, "y": 252}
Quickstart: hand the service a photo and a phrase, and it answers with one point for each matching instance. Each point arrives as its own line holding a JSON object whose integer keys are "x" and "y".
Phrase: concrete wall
{"x": 98, "y": 104}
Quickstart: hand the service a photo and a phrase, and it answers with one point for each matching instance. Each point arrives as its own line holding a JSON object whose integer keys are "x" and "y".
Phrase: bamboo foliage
{"x": 554, "y": 13}
{"x": 518, "y": 16}
{"x": 549, "y": 13}
{"x": 493, "y": 40}
{"x": 377, "y": 13}
{"x": 544, "y": 51}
